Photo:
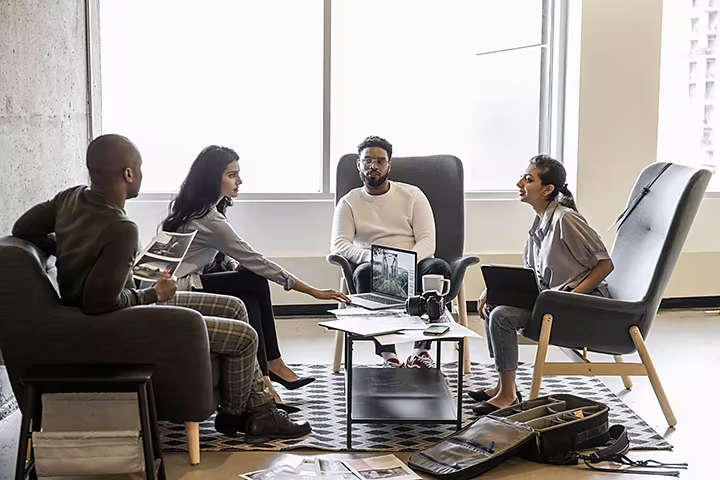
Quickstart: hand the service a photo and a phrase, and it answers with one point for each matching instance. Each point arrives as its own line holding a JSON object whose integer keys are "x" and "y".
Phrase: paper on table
{"x": 375, "y": 326}
{"x": 456, "y": 331}
{"x": 387, "y": 467}
{"x": 350, "y": 311}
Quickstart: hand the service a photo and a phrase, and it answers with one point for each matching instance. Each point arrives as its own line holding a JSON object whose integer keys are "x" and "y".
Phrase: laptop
{"x": 510, "y": 285}
{"x": 393, "y": 279}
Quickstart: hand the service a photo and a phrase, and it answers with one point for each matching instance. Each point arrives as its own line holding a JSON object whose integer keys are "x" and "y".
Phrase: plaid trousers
{"x": 234, "y": 340}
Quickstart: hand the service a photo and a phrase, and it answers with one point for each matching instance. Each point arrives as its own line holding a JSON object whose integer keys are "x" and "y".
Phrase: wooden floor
{"x": 685, "y": 346}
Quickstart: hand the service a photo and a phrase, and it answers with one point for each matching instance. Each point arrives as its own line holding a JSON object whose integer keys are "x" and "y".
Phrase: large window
{"x": 293, "y": 85}
{"x": 689, "y": 126}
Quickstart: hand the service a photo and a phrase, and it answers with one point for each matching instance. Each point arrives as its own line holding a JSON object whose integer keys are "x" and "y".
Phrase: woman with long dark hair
{"x": 565, "y": 253}
{"x": 220, "y": 261}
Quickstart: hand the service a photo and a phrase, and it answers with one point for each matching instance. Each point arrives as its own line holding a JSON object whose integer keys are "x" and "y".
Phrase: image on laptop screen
{"x": 393, "y": 272}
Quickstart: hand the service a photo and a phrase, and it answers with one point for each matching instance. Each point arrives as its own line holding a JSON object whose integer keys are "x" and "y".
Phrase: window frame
{"x": 551, "y": 95}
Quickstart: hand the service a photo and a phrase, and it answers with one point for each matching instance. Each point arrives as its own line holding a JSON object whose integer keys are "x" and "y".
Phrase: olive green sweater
{"x": 95, "y": 245}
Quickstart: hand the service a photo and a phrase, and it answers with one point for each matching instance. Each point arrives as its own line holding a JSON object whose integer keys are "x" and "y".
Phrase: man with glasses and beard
{"x": 387, "y": 213}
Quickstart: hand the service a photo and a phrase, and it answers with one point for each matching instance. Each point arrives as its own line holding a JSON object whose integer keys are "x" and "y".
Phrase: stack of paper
{"x": 370, "y": 326}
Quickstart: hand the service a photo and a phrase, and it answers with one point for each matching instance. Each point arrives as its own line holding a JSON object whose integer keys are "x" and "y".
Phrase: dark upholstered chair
{"x": 646, "y": 249}
{"x": 441, "y": 179}
{"x": 35, "y": 328}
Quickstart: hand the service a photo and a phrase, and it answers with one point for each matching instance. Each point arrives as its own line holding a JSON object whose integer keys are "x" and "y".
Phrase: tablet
{"x": 510, "y": 285}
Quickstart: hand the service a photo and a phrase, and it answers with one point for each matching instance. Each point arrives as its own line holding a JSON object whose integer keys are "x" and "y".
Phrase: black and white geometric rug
{"x": 7, "y": 400}
{"x": 323, "y": 405}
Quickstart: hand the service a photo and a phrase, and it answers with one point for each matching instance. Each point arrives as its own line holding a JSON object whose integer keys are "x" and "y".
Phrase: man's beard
{"x": 373, "y": 182}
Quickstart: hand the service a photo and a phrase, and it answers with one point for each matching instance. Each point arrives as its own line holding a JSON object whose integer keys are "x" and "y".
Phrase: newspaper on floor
{"x": 333, "y": 470}
{"x": 386, "y": 467}
{"x": 162, "y": 256}
{"x": 306, "y": 470}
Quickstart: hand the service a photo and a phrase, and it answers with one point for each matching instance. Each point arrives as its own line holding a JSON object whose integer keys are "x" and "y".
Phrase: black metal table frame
{"x": 350, "y": 338}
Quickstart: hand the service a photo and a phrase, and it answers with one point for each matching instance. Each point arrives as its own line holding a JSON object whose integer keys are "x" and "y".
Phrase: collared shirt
{"x": 214, "y": 233}
{"x": 562, "y": 249}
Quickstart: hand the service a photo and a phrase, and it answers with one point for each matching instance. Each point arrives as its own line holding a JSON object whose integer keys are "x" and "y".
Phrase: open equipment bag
{"x": 553, "y": 429}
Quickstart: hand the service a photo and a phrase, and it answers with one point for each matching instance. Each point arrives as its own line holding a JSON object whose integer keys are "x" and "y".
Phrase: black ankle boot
{"x": 230, "y": 425}
{"x": 266, "y": 422}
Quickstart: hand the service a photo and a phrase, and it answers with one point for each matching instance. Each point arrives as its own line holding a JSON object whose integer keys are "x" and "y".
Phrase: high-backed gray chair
{"x": 646, "y": 249}
{"x": 441, "y": 179}
{"x": 36, "y": 329}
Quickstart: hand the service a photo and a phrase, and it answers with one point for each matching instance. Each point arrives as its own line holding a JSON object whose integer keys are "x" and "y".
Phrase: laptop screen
{"x": 393, "y": 272}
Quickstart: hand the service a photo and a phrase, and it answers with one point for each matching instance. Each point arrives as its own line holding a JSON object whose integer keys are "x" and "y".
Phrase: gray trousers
{"x": 502, "y": 326}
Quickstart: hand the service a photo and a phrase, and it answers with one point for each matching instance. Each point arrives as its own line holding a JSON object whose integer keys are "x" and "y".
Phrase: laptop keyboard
{"x": 378, "y": 299}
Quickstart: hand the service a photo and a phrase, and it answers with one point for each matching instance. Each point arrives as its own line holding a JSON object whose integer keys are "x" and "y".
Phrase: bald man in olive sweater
{"x": 96, "y": 243}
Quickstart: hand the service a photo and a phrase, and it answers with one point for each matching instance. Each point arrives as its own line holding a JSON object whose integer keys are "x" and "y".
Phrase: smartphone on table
{"x": 436, "y": 330}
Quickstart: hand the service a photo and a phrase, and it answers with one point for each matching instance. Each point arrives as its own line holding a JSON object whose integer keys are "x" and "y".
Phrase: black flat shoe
{"x": 300, "y": 382}
{"x": 481, "y": 396}
{"x": 287, "y": 408}
{"x": 486, "y": 408}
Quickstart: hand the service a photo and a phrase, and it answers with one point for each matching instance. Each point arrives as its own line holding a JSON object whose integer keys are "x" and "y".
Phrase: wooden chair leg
{"x": 339, "y": 347}
{"x": 652, "y": 374}
{"x": 463, "y": 320}
{"x": 339, "y": 336}
{"x": 192, "y": 431}
{"x": 626, "y": 380}
{"x": 541, "y": 355}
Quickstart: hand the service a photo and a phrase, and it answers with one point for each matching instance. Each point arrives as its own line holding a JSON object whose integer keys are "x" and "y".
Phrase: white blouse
{"x": 562, "y": 249}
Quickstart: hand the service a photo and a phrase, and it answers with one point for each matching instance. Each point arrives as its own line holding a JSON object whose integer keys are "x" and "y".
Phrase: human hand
{"x": 483, "y": 306}
{"x": 165, "y": 289}
{"x": 330, "y": 295}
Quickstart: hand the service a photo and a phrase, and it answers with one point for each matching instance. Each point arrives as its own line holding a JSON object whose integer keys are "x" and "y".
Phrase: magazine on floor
{"x": 307, "y": 469}
{"x": 162, "y": 256}
{"x": 386, "y": 467}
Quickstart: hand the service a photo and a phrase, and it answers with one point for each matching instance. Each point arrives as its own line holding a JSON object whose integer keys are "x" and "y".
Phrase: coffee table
{"x": 401, "y": 395}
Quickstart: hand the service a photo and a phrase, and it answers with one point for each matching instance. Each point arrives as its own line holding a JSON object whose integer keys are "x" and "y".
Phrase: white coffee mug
{"x": 436, "y": 282}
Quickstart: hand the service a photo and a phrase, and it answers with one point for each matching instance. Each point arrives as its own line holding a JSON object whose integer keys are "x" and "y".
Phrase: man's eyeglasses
{"x": 381, "y": 162}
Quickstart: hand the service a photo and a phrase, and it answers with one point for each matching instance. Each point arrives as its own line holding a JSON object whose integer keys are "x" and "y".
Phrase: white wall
{"x": 611, "y": 135}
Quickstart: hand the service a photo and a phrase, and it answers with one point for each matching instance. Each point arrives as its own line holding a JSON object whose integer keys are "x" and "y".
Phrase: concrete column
{"x": 43, "y": 102}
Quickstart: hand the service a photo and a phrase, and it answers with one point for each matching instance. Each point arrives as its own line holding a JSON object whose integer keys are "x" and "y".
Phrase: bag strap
{"x": 645, "y": 190}
{"x": 615, "y": 451}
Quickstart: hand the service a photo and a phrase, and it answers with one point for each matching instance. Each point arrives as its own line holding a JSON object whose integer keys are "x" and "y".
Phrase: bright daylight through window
{"x": 689, "y": 120}
{"x": 462, "y": 77}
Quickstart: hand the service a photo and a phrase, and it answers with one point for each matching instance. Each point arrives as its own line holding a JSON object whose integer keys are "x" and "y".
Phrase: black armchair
{"x": 646, "y": 249}
{"x": 36, "y": 329}
{"x": 441, "y": 179}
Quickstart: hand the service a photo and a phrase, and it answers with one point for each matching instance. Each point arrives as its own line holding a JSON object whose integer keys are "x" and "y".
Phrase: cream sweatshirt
{"x": 400, "y": 218}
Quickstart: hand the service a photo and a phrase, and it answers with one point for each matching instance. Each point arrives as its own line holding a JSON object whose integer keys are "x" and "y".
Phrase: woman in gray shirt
{"x": 220, "y": 261}
{"x": 565, "y": 253}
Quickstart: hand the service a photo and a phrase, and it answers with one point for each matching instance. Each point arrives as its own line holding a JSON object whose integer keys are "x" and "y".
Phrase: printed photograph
{"x": 383, "y": 473}
{"x": 170, "y": 245}
{"x": 151, "y": 268}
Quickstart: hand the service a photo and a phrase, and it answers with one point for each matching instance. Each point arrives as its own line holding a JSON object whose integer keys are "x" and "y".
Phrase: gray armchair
{"x": 646, "y": 249}
{"x": 441, "y": 179}
{"x": 37, "y": 329}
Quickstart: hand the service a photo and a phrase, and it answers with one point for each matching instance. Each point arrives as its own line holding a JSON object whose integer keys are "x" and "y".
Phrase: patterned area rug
{"x": 323, "y": 405}
{"x": 7, "y": 400}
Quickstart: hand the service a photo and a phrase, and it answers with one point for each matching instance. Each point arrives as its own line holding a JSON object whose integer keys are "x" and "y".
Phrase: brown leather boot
{"x": 267, "y": 422}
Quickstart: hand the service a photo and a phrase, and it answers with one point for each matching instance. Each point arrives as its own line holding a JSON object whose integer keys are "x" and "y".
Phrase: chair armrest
{"x": 458, "y": 267}
{"x": 173, "y": 340}
{"x": 346, "y": 267}
{"x": 600, "y": 324}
